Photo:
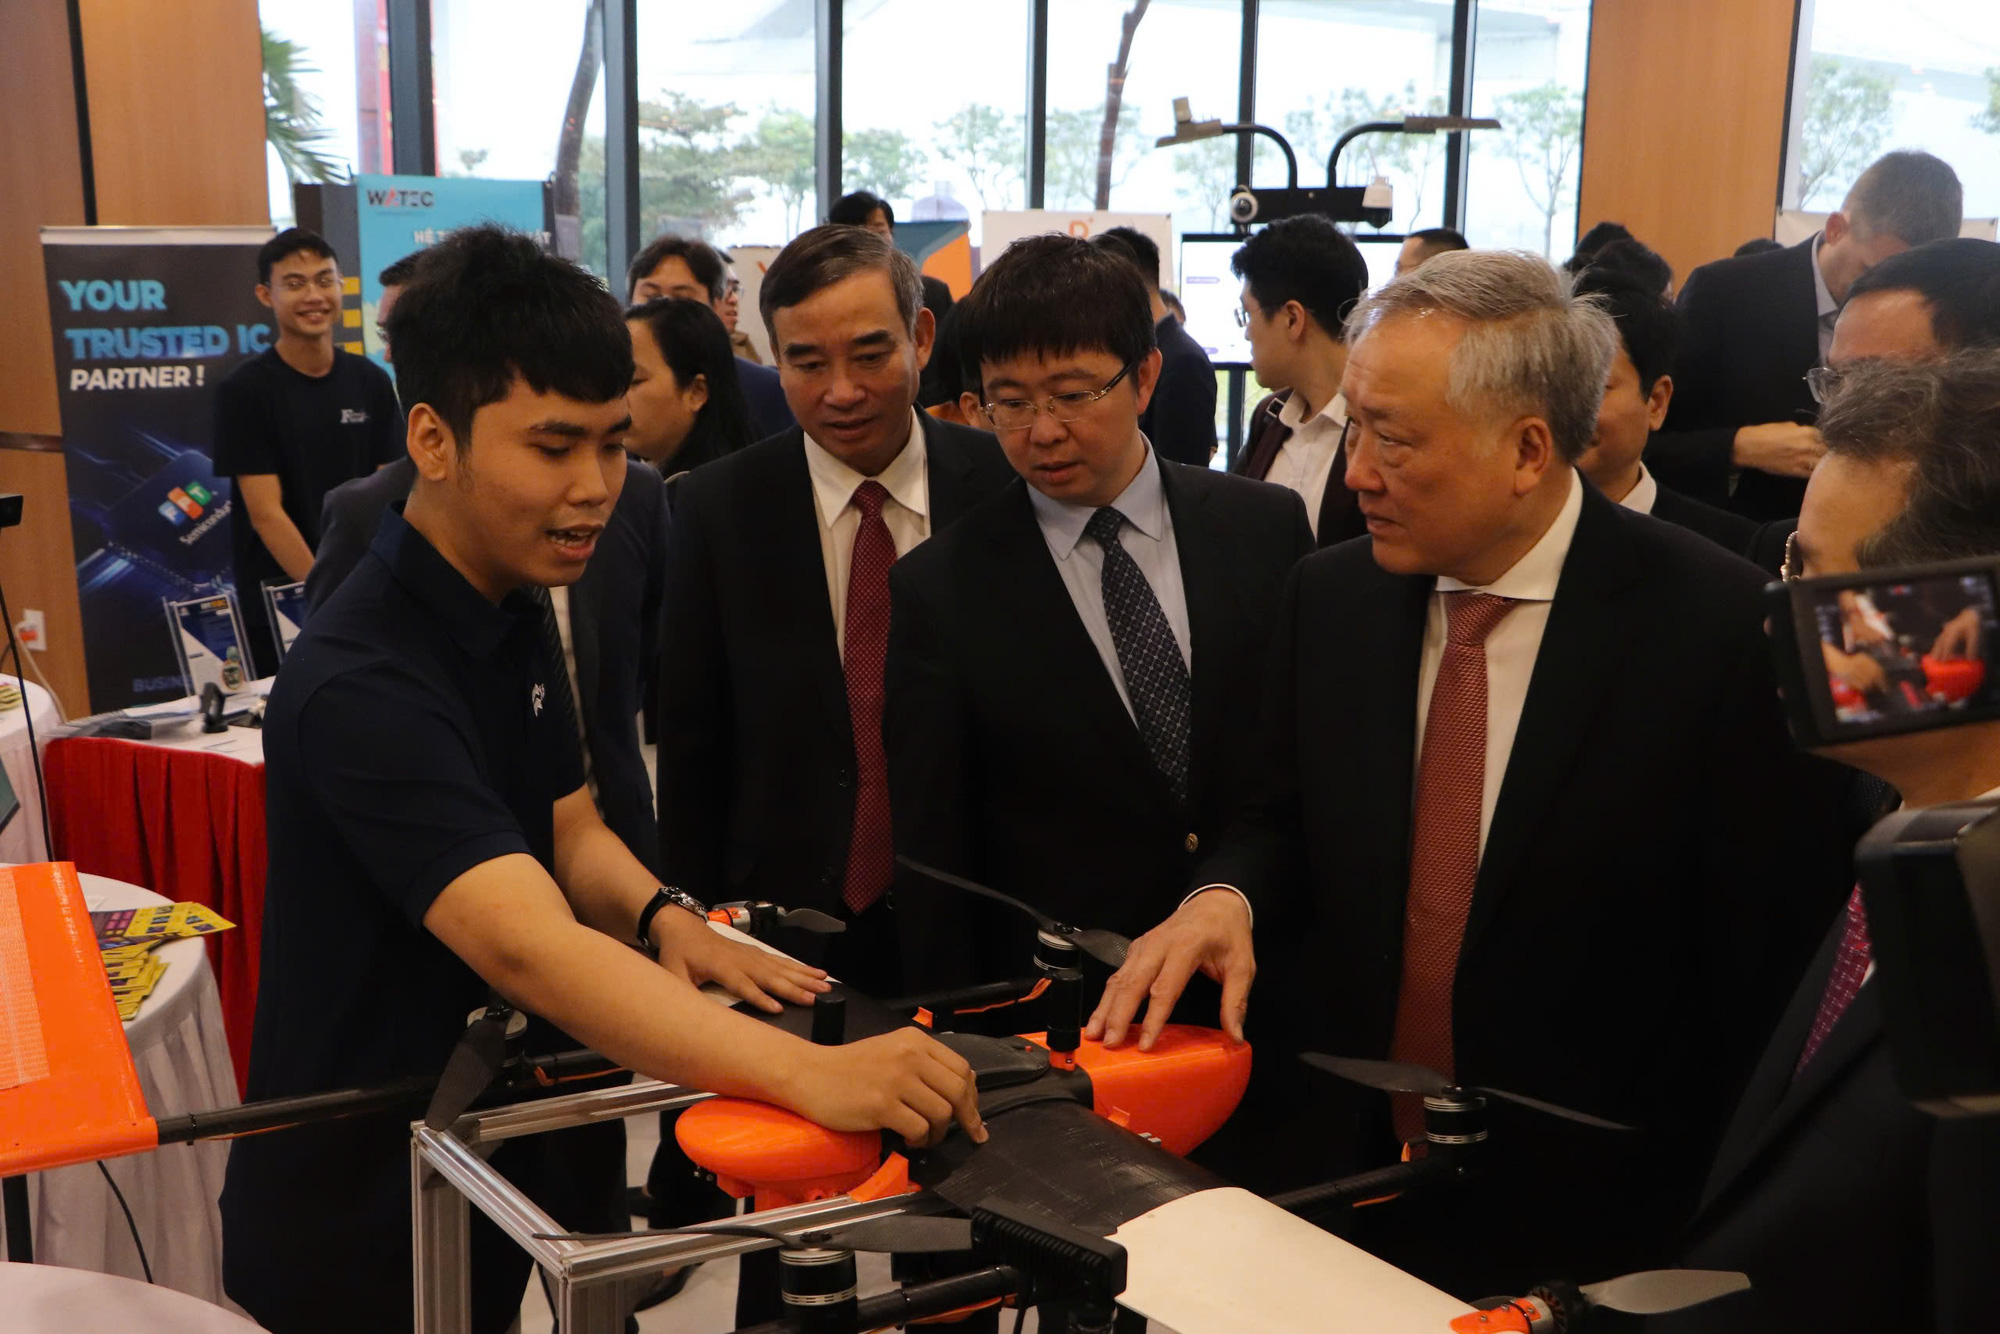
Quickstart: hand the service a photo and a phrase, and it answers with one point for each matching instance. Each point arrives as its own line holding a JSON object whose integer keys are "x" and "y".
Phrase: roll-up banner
{"x": 148, "y": 320}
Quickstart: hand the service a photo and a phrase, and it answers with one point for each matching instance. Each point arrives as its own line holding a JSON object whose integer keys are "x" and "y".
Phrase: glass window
{"x": 1394, "y": 59}
{"x": 504, "y": 75}
{"x": 935, "y": 146}
{"x": 1895, "y": 74}
{"x": 726, "y": 120}
{"x": 1529, "y": 62}
{"x": 326, "y": 93}
{"x": 1177, "y": 48}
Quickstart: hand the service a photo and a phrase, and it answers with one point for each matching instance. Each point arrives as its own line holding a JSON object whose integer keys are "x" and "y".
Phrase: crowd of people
{"x": 1441, "y": 726}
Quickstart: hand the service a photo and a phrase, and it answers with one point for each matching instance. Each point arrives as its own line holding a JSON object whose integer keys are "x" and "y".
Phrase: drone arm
{"x": 1367, "y": 1185}
{"x": 920, "y": 1301}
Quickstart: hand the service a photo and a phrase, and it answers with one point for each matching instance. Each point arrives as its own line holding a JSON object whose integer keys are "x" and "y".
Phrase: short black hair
{"x": 1051, "y": 295}
{"x": 1304, "y": 259}
{"x": 289, "y": 242}
{"x": 1437, "y": 240}
{"x": 1757, "y": 245}
{"x": 1627, "y": 254}
{"x": 693, "y": 341}
{"x": 1909, "y": 194}
{"x": 1598, "y": 237}
{"x": 701, "y": 258}
{"x": 400, "y": 271}
{"x": 1647, "y": 324}
{"x": 489, "y": 306}
{"x": 1145, "y": 250}
{"x": 1958, "y": 277}
{"x": 817, "y": 259}
{"x": 947, "y": 376}
{"x": 854, "y": 210}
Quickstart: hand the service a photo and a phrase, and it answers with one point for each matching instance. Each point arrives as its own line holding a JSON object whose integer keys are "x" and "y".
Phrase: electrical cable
{"x": 144, "y": 1267}
{"x": 28, "y": 716}
{"x": 1020, "y": 1317}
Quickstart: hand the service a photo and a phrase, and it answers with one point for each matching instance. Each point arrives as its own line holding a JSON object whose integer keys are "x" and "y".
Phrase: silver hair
{"x": 1532, "y": 346}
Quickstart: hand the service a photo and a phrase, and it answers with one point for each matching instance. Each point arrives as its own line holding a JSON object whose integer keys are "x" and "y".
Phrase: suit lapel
{"x": 1574, "y": 669}
{"x": 789, "y": 536}
{"x": 953, "y": 488}
{"x": 1804, "y": 296}
{"x": 1212, "y": 619}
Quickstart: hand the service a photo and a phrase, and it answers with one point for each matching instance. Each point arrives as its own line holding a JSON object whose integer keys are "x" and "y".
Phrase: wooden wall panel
{"x": 1684, "y": 122}
{"x": 176, "y": 111}
{"x": 41, "y": 184}
{"x": 38, "y": 569}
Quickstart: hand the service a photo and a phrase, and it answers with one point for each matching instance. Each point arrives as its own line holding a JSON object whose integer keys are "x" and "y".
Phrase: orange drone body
{"x": 1179, "y": 1093}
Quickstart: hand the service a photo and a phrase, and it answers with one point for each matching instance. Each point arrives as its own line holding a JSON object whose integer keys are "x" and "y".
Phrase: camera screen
{"x": 1908, "y": 651}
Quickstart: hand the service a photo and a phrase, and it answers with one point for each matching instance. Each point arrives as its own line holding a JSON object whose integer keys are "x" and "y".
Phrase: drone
{"x": 1080, "y": 1203}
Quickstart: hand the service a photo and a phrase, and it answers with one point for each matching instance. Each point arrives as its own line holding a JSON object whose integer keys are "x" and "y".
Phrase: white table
{"x": 42, "y": 1299}
{"x": 182, "y": 1057}
{"x": 21, "y": 840}
{"x": 177, "y": 726}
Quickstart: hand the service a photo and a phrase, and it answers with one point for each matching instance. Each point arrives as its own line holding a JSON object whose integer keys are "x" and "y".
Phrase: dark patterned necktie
{"x": 1850, "y": 968}
{"x": 865, "y": 639}
{"x": 1156, "y": 676}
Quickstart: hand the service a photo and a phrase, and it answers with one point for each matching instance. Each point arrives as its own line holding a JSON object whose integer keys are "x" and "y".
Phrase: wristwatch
{"x": 664, "y": 895}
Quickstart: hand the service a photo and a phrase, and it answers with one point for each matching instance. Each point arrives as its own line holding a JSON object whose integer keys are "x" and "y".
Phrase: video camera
{"x": 1884, "y": 653}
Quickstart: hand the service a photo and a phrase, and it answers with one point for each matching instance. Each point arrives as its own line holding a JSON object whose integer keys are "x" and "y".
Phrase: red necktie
{"x": 1444, "y": 855}
{"x": 870, "y": 851}
{"x": 1850, "y": 966}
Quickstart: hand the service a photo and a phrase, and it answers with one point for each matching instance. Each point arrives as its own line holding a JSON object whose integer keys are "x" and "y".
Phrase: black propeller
{"x": 475, "y": 1062}
{"x": 899, "y": 1234}
{"x": 1658, "y": 1291}
{"x": 1107, "y": 947}
{"x": 1401, "y": 1077}
{"x": 813, "y": 920}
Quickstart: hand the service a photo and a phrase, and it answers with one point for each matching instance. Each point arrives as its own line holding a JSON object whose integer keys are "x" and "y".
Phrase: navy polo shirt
{"x": 416, "y": 731}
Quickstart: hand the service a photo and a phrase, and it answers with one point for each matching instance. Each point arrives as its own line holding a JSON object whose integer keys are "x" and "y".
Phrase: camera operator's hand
{"x": 1960, "y": 636}
{"x": 1210, "y": 932}
{"x": 1856, "y": 670}
{"x": 1785, "y": 448}
{"x": 905, "y": 1081}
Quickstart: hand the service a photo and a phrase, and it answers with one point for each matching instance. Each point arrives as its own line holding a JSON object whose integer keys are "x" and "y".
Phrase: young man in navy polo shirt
{"x": 431, "y": 833}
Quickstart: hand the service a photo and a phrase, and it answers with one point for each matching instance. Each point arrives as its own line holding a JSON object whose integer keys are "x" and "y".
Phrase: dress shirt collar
{"x": 1645, "y": 493}
{"x": 1143, "y": 502}
{"x": 1534, "y": 577}
{"x": 834, "y": 482}
{"x": 1292, "y": 412}
{"x": 1821, "y": 294}
{"x": 478, "y": 626}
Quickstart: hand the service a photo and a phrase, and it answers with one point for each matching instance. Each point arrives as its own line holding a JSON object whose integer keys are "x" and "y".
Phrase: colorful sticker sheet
{"x": 127, "y": 937}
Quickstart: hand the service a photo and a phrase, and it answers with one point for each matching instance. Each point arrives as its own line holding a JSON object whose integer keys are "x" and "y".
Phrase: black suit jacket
{"x": 1340, "y": 518}
{"x": 1061, "y": 803}
{"x": 1180, "y": 419}
{"x": 1751, "y": 332}
{"x": 614, "y": 614}
{"x": 1847, "y": 1207}
{"x": 1731, "y": 532}
{"x": 756, "y": 761}
{"x": 769, "y": 412}
{"x": 1655, "y": 875}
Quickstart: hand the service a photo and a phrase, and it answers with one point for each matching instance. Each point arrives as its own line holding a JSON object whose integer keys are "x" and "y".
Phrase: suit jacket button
{"x": 1192, "y": 843}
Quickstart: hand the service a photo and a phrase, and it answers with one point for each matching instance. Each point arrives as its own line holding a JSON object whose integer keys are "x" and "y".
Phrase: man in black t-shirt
{"x": 294, "y": 422}
{"x": 431, "y": 834}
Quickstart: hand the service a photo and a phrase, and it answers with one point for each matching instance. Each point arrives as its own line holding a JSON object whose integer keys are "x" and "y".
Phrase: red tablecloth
{"x": 181, "y": 823}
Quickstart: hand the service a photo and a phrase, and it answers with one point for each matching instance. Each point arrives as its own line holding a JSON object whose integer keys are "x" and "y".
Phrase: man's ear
{"x": 432, "y": 445}
{"x": 698, "y": 391}
{"x": 1297, "y": 321}
{"x": 1535, "y": 453}
{"x": 264, "y": 295}
{"x": 1837, "y": 227}
{"x": 1146, "y": 378}
{"x": 924, "y": 336}
{"x": 1657, "y": 401}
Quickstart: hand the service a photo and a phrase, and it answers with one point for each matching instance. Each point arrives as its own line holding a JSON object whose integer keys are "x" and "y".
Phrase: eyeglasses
{"x": 1821, "y": 381}
{"x": 1794, "y": 566}
{"x": 1018, "y": 414}
{"x": 1242, "y": 317}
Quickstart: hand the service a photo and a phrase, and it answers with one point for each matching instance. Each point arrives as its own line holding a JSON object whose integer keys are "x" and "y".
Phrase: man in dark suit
{"x": 1300, "y": 278}
{"x": 1026, "y": 589}
{"x": 1846, "y": 1206}
{"x": 1740, "y": 433}
{"x": 1636, "y": 395}
{"x": 1180, "y": 419}
{"x": 1444, "y": 851}
{"x": 678, "y": 266}
{"x": 771, "y": 778}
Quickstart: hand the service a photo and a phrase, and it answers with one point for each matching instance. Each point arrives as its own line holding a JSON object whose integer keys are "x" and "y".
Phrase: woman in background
{"x": 687, "y": 408}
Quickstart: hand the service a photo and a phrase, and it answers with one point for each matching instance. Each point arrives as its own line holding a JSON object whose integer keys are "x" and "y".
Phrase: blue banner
{"x": 147, "y": 322}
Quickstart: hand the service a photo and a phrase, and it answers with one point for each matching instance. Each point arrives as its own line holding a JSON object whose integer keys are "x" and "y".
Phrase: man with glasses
{"x": 294, "y": 422}
{"x": 1072, "y": 669}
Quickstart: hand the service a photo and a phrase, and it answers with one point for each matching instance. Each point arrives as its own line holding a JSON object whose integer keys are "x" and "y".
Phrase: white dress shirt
{"x": 907, "y": 513}
{"x": 1307, "y": 458}
{"x": 1510, "y": 650}
{"x": 1148, "y": 536}
{"x": 1824, "y": 304}
{"x": 1645, "y": 493}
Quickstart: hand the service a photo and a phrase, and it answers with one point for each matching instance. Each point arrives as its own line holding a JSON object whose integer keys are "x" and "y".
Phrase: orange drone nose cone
{"x": 1179, "y": 1092}
{"x": 753, "y": 1147}
{"x": 1504, "y": 1320}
